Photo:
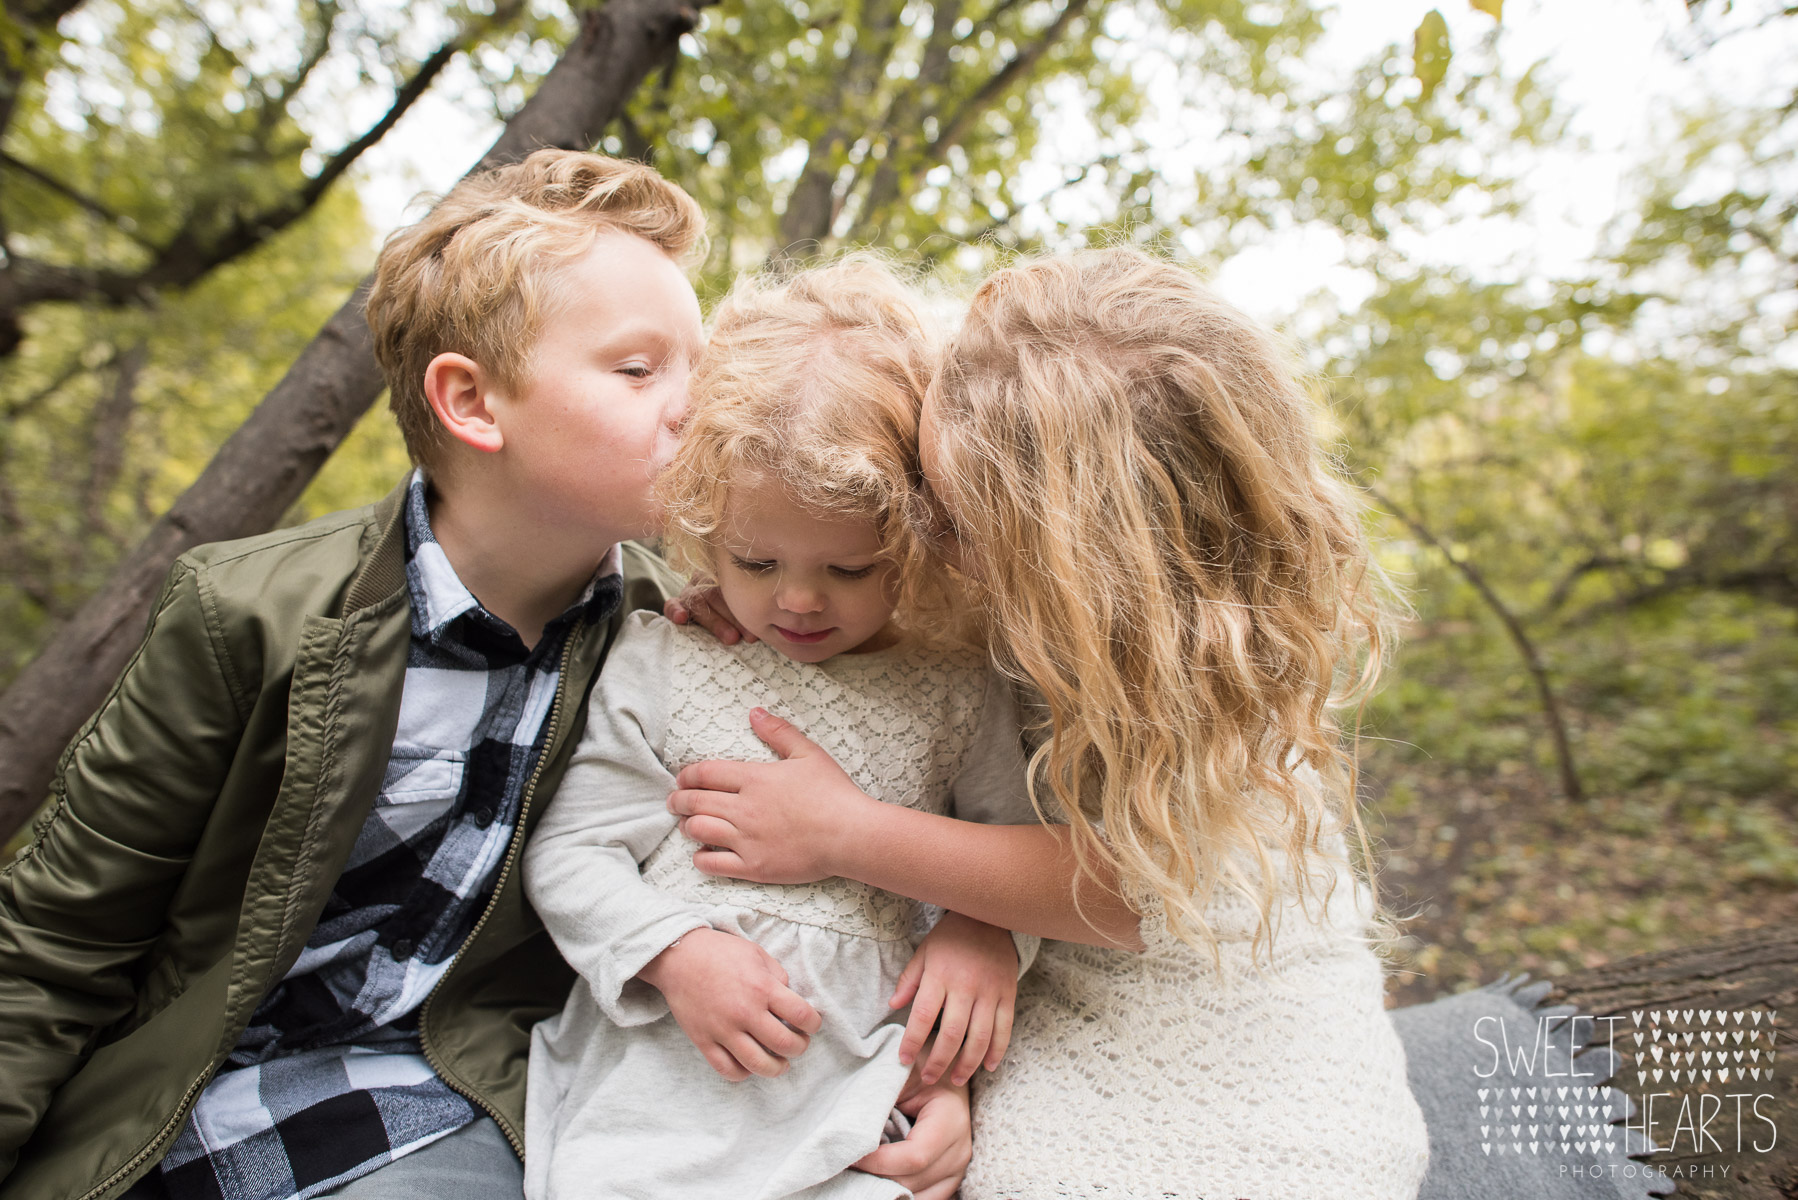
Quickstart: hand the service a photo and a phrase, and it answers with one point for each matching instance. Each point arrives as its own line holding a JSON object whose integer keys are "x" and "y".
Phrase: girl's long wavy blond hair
{"x": 1130, "y": 466}
{"x": 813, "y": 380}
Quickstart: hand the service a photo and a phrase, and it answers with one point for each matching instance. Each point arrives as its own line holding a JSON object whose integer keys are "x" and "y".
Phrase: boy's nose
{"x": 674, "y": 413}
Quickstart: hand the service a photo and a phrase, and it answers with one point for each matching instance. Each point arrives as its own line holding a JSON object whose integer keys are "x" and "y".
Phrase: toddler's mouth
{"x": 804, "y": 639}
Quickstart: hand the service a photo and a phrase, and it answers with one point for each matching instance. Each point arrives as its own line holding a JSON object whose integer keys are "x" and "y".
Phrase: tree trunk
{"x": 260, "y": 471}
{"x": 1757, "y": 969}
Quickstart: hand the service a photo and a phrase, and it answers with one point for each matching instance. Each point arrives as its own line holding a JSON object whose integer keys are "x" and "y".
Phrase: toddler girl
{"x": 734, "y": 1039}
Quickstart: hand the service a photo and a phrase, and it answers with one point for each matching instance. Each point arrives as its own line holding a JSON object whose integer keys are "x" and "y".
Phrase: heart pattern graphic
{"x": 1687, "y": 1048}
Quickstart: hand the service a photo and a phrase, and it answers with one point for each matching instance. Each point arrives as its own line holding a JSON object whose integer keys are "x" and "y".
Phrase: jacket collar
{"x": 383, "y": 569}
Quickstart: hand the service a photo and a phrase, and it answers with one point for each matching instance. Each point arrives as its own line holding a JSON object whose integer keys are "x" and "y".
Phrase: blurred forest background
{"x": 1584, "y": 474}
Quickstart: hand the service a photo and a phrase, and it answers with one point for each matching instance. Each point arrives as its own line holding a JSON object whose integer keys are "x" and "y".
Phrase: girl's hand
{"x": 932, "y": 1160}
{"x": 731, "y": 998}
{"x": 792, "y": 821}
{"x": 967, "y": 971}
{"x": 705, "y": 607}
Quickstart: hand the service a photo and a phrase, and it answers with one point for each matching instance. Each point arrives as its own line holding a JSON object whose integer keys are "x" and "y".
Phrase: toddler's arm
{"x": 581, "y": 874}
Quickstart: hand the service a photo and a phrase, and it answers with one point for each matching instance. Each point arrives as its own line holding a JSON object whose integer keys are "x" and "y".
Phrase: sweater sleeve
{"x": 581, "y": 867}
{"x": 992, "y": 788}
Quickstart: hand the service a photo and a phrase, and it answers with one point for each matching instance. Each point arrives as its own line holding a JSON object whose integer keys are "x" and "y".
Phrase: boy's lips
{"x": 793, "y": 635}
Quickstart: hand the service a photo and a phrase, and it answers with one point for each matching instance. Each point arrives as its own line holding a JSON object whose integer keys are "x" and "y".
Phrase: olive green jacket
{"x": 201, "y": 818}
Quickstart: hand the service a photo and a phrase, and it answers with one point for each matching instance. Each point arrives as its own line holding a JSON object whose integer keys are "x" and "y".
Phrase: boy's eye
{"x": 753, "y": 566}
{"x": 635, "y": 371}
{"x": 853, "y": 572}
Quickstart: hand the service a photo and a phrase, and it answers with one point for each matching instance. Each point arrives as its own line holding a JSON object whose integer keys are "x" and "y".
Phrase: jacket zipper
{"x": 524, "y": 808}
{"x": 187, "y": 1099}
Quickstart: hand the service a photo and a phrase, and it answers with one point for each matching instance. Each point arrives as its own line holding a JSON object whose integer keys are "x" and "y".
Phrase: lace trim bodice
{"x": 920, "y": 709}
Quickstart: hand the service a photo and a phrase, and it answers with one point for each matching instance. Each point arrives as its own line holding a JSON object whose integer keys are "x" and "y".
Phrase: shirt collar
{"x": 439, "y": 596}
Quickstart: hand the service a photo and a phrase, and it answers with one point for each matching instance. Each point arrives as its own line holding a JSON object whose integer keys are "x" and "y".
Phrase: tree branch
{"x": 191, "y": 254}
{"x": 14, "y": 409}
{"x": 35, "y": 19}
{"x": 111, "y": 422}
{"x": 1020, "y": 64}
{"x": 812, "y": 204}
{"x": 1564, "y": 589}
{"x": 1532, "y": 660}
{"x": 991, "y": 20}
{"x": 1776, "y": 581}
{"x": 123, "y": 224}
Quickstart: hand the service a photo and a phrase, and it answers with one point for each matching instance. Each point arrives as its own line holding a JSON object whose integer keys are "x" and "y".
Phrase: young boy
{"x": 271, "y": 941}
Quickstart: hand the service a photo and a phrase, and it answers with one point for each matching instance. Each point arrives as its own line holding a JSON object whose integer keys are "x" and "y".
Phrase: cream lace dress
{"x": 620, "y": 1102}
{"x": 1133, "y": 1077}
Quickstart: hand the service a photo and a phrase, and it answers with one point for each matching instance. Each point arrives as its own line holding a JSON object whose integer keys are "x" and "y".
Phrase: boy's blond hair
{"x": 814, "y": 381}
{"x": 479, "y": 273}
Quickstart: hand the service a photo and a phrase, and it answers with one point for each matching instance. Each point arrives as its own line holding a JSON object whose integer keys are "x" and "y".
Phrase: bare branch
{"x": 991, "y": 20}
{"x": 111, "y": 420}
{"x": 1532, "y": 660}
{"x": 15, "y": 409}
{"x": 1020, "y": 64}
{"x": 191, "y": 254}
{"x": 123, "y": 224}
{"x": 1774, "y": 581}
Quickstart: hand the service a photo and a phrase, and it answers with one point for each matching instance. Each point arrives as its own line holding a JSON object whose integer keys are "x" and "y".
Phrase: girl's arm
{"x": 802, "y": 819}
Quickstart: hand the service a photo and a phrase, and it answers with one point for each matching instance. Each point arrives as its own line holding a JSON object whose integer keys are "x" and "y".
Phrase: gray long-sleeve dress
{"x": 621, "y": 1103}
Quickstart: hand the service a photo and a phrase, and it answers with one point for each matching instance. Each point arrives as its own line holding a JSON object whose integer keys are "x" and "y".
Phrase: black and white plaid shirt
{"x": 329, "y": 1081}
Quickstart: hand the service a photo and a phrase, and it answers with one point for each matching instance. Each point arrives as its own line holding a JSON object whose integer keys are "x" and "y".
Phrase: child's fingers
{"x": 712, "y": 775}
{"x": 720, "y": 627}
{"x": 1002, "y": 1017}
{"x": 778, "y": 1039}
{"x": 907, "y": 986}
{"x": 935, "y": 1153}
{"x": 709, "y": 831}
{"x": 924, "y": 1009}
{"x": 746, "y": 1050}
{"x": 722, "y": 1062}
{"x": 792, "y": 1008}
{"x": 952, "y": 1027}
{"x": 980, "y": 1036}
{"x": 719, "y": 862}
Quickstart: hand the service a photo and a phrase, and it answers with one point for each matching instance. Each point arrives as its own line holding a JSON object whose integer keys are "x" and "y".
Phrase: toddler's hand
{"x": 705, "y": 606}
{"x": 966, "y": 970}
{"x": 731, "y": 998}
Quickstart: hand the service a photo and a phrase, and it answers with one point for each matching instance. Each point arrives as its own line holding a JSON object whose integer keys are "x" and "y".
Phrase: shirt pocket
{"x": 422, "y": 784}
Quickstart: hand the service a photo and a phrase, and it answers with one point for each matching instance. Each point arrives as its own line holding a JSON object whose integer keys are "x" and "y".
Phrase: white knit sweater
{"x": 1133, "y": 1077}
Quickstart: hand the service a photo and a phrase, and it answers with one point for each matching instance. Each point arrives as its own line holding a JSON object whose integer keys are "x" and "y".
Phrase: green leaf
{"x": 1430, "y": 52}
{"x": 1492, "y": 8}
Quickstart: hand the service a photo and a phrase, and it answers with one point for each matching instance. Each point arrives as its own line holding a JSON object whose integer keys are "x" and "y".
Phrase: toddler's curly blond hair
{"x": 813, "y": 380}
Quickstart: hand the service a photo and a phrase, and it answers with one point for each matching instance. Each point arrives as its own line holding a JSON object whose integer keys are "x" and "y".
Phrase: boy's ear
{"x": 457, "y": 390}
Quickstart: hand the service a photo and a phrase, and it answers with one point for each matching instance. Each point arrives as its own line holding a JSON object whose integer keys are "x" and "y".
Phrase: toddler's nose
{"x": 797, "y": 599}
